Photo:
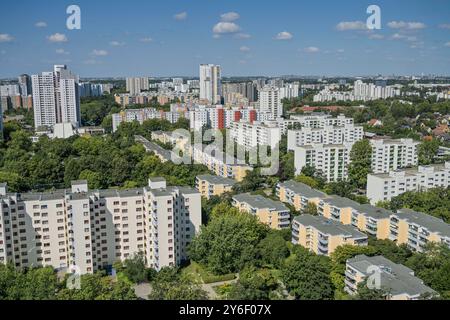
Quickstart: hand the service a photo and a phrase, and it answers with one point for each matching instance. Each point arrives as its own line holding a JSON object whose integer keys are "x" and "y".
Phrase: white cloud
{"x": 226, "y": 27}
{"x": 444, "y": 26}
{"x": 244, "y": 49}
{"x": 61, "y": 51}
{"x": 117, "y": 43}
{"x": 311, "y": 49}
{"x": 146, "y": 39}
{"x": 447, "y": 44}
{"x": 3, "y": 52}
{"x": 57, "y": 37}
{"x": 351, "y": 25}
{"x": 376, "y": 36}
{"x": 180, "y": 16}
{"x": 90, "y": 61}
{"x": 230, "y": 16}
{"x": 284, "y": 35}
{"x": 242, "y": 36}
{"x": 242, "y": 61}
{"x": 4, "y": 37}
{"x": 216, "y": 36}
{"x": 99, "y": 53}
{"x": 40, "y": 24}
{"x": 340, "y": 50}
{"x": 399, "y": 36}
{"x": 406, "y": 25}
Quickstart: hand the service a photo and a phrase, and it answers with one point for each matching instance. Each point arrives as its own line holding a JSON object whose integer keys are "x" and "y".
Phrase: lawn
{"x": 198, "y": 273}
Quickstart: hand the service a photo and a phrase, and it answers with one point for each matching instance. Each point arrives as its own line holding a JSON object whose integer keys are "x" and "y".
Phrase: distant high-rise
{"x": 25, "y": 85}
{"x": 136, "y": 85}
{"x": 211, "y": 83}
{"x": 56, "y": 97}
{"x": 270, "y": 101}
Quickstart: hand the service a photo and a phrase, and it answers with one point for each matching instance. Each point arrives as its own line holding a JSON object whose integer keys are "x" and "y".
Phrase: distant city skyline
{"x": 159, "y": 39}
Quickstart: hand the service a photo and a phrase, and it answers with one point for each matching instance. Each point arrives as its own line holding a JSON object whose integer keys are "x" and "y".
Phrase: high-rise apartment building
{"x": 393, "y": 154}
{"x": 211, "y": 83}
{"x": 326, "y": 135}
{"x": 56, "y": 97}
{"x": 270, "y": 101}
{"x": 330, "y": 160}
{"x": 91, "y": 229}
{"x": 25, "y": 85}
{"x": 136, "y": 85}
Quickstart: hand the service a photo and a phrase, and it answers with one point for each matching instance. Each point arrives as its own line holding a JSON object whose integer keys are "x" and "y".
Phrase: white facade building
{"x": 56, "y": 97}
{"x": 270, "y": 101}
{"x": 251, "y": 135}
{"x": 136, "y": 85}
{"x": 393, "y": 154}
{"x": 385, "y": 186}
{"x": 210, "y": 83}
{"x": 331, "y": 160}
{"x": 93, "y": 229}
{"x": 325, "y": 135}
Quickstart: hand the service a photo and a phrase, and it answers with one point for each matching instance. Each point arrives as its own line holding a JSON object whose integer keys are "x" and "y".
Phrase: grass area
{"x": 199, "y": 274}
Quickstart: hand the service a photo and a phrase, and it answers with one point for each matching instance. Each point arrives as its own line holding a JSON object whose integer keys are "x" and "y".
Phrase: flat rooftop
{"x": 330, "y": 227}
{"x": 260, "y": 202}
{"x": 395, "y": 278}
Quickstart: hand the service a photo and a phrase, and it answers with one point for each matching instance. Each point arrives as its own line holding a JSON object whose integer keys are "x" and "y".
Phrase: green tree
{"x": 253, "y": 284}
{"x": 134, "y": 268}
{"x": 228, "y": 242}
{"x": 273, "y": 249}
{"x": 168, "y": 284}
{"x": 360, "y": 163}
{"x": 427, "y": 151}
{"x": 307, "y": 276}
{"x": 311, "y": 209}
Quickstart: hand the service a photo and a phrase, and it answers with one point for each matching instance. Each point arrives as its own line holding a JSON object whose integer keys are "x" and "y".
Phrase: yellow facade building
{"x": 322, "y": 236}
{"x": 209, "y": 185}
{"x": 272, "y": 213}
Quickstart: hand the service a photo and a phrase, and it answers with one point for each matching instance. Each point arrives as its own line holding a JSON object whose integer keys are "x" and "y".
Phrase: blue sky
{"x": 246, "y": 37}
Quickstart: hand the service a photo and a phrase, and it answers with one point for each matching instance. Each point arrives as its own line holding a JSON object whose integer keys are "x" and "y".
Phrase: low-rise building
{"x": 298, "y": 194}
{"x": 218, "y": 162}
{"x": 209, "y": 185}
{"x": 385, "y": 186}
{"x": 396, "y": 280}
{"x": 417, "y": 229}
{"x": 322, "y": 236}
{"x": 272, "y": 213}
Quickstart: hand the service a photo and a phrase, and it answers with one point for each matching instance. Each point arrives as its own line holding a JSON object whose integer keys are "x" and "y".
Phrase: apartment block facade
{"x": 252, "y": 135}
{"x": 209, "y": 185}
{"x": 91, "y": 229}
{"x": 393, "y": 154}
{"x": 219, "y": 163}
{"x": 385, "y": 186}
{"x": 272, "y": 213}
{"x": 415, "y": 229}
{"x": 331, "y": 160}
{"x": 325, "y": 135}
{"x": 298, "y": 194}
{"x": 322, "y": 236}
